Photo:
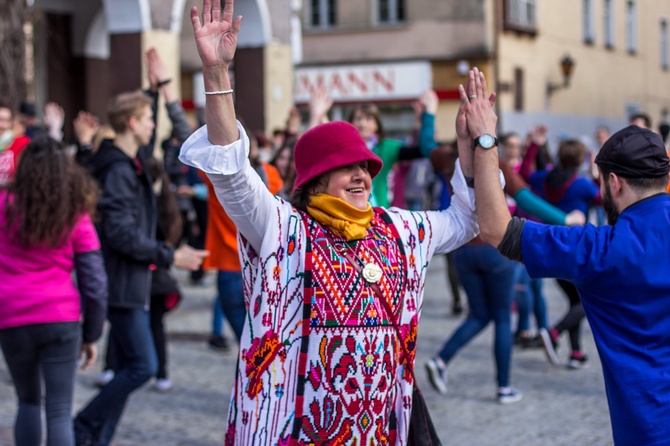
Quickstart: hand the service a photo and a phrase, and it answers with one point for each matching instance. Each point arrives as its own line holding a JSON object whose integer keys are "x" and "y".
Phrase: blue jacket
{"x": 622, "y": 273}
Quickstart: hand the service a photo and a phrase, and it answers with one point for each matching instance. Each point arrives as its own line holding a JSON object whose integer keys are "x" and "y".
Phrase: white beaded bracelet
{"x": 220, "y": 92}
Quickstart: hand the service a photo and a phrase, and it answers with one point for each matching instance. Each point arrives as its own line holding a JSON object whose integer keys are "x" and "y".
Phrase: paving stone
{"x": 560, "y": 406}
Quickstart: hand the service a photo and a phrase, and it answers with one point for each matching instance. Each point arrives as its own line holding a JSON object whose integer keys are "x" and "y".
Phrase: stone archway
{"x": 256, "y": 30}
{"x": 263, "y": 67}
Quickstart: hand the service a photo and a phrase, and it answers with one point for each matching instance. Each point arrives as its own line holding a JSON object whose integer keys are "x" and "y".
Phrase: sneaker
{"x": 437, "y": 375}
{"x": 217, "y": 342}
{"x": 104, "y": 378}
{"x": 82, "y": 436}
{"x": 162, "y": 385}
{"x": 509, "y": 396}
{"x": 531, "y": 342}
{"x": 578, "y": 362}
{"x": 549, "y": 344}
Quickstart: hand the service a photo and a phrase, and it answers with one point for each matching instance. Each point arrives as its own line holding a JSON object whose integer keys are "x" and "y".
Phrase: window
{"x": 518, "y": 89}
{"x": 390, "y": 11}
{"x": 520, "y": 15}
{"x": 631, "y": 26}
{"x": 608, "y": 24}
{"x": 587, "y": 25}
{"x": 322, "y": 13}
{"x": 664, "y": 45}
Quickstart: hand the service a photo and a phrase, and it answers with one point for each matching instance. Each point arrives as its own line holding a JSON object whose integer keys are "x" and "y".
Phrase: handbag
{"x": 421, "y": 428}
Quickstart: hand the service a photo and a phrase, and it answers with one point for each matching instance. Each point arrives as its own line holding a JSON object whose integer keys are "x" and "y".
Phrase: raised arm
{"x": 220, "y": 149}
{"x": 159, "y": 80}
{"x": 491, "y": 205}
{"x": 216, "y": 40}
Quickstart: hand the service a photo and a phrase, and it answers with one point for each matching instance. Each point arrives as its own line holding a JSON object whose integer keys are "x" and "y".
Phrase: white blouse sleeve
{"x": 459, "y": 223}
{"x": 240, "y": 190}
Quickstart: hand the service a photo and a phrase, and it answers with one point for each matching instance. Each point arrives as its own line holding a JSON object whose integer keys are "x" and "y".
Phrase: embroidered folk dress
{"x": 320, "y": 361}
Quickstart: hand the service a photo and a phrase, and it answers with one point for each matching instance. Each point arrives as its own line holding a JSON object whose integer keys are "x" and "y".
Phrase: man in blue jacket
{"x": 621, "y": 270}
{"x": 127, "y": 230}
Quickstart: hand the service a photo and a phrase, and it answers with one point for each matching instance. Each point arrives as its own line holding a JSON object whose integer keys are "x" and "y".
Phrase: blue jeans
{"x": 45, "y": 352}
{"x": 488, "y": 280}
{"x": 136, "y": 355}
{"x": 231, "y": 298}
{"x": 217, "y": 317}
{"x": 528, "y": 296}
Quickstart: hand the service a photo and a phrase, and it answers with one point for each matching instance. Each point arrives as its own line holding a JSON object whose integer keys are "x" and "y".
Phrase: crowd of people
{"x": 320, "y": 237}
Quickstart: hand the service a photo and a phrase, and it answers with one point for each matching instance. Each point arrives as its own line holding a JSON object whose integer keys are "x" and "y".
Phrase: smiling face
{"x": 365, "y": 123}
{"x": 351, "y": 184}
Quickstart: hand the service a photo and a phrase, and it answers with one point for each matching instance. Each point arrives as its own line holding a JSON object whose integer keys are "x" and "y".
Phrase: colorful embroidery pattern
{"x": 320, "y": 362}
{"x": 351, "y": 386}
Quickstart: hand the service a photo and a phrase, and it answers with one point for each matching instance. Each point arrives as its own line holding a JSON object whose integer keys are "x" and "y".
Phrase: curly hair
{"x": 48, "y": 194}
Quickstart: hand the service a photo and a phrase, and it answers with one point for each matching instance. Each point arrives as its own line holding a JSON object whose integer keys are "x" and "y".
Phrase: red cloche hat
{"x": 329, "y": 146}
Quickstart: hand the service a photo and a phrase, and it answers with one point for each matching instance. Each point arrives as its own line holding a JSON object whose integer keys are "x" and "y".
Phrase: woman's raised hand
{"x": 216, "y": 35}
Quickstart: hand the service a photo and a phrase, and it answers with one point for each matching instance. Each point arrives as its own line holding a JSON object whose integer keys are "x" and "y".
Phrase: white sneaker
{"x": 104, "y": 378}
{"x": 437, "y": 375}
{"x": 509, "y": 396}
{"x": 163, "y": 385}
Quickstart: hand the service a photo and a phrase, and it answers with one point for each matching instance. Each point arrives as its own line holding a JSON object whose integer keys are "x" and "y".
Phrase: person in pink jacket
{"x": 46, "y": 233}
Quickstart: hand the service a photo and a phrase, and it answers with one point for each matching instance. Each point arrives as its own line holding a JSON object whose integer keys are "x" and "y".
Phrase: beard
{"x": 609, "y": 206}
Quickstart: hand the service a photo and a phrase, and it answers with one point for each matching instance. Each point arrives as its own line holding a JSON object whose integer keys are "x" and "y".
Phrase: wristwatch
{"x": 486, "y": 141}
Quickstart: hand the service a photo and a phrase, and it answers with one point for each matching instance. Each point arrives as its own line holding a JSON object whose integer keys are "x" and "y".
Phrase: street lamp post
{"x": 567, "y": 65}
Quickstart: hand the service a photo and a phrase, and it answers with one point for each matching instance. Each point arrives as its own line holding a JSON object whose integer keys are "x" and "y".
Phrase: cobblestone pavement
{"x": 560, "y": 406}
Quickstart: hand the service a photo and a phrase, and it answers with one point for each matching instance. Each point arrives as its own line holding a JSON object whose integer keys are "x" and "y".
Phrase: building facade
{"x": 390, "y": 51}
{"x": 87, "y": 51}
{"x": 618, "y": 49}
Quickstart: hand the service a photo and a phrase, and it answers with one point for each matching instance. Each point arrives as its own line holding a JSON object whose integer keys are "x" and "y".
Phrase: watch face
{"x": 486, "y": 141}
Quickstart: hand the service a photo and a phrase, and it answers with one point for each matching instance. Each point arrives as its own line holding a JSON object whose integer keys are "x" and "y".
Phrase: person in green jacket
{"x": 368, "y": 122}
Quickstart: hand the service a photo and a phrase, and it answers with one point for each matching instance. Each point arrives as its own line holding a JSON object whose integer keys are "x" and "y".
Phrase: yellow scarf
{"x": 342, "y": 218}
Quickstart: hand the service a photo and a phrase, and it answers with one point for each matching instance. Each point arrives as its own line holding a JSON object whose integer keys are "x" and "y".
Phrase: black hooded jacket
{"x": 127, "y": 227}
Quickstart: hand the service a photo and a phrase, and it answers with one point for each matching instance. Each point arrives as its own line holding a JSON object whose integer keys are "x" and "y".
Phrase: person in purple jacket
{"x": 46, "y": 233}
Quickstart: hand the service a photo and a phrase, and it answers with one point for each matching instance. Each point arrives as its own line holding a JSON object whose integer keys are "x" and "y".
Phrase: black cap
{"x": 28, "y": 109}
{"x": 634, "y": 152}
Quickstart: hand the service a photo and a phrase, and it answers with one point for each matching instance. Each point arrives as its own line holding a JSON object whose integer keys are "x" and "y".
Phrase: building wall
{"x": 605, "y": 82}
{"x": 434, "y": 29}
{"x": 278, "y": 71}
{"x": 441, "y": 33}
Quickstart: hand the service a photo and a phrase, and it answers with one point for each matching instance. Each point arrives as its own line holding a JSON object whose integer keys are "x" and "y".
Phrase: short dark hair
{"x": 571, "y": 154}
{"x": 645, "y": 117}
{"x": 502, "y": 139}
{"x": 640, "y": 184}
{"x": 7, "y": 105}
{"x": 301, "y": 196}
{"x": 664, "y": 131}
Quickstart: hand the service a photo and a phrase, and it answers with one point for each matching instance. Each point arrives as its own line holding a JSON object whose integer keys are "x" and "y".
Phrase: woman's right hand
{"x": 216, "y": 36}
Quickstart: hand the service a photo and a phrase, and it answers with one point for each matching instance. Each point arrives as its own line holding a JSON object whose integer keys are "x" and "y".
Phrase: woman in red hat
{"x": 333, "y": 286}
